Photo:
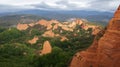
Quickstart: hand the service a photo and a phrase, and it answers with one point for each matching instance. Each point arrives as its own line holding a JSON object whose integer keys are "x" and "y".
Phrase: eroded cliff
{"x": 104, "y": 52}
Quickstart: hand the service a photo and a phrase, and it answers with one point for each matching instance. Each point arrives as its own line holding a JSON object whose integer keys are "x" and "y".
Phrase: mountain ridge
{"x": 93, "y": 16}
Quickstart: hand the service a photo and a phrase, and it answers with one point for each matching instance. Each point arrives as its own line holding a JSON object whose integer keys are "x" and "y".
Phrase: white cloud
{"x": 99, "y": 5}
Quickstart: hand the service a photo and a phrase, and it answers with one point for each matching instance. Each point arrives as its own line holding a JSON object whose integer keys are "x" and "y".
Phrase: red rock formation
{"x": 49, "y": 26}
{"x": 45, "y": 23}
{"x": 46, "y": 48}
{"x": 22, "y": 26}
{"x": 33, "y": 41}
{"x": 78, "y": 21}
{"x": 95, "y": 30}
{"x": 42, "y": 22}
{"x": 66, "y": 28}
{"x": 106, "y": 51}
{"x": 55, "y": 26}
{"x": 72, "y": 25}
{"x": 31, "y": 24}
{"x": 63, "y": 38}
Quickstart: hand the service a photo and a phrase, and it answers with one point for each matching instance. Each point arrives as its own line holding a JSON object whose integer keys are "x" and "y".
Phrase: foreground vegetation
{"x": 16, "y": 52}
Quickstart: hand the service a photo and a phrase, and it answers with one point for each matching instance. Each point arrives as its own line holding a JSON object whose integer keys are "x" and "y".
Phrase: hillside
{"x": 13, "y": 20}
{"x": 44, "y": 43}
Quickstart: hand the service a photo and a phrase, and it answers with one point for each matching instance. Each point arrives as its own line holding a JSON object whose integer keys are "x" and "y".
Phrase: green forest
{"x": 15, "y": 51}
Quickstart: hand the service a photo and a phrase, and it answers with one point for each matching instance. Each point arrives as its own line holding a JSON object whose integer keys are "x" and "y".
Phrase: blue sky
{"x": 92, "y": 5}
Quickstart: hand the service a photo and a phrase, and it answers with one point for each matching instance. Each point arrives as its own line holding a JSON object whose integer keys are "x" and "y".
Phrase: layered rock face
{"x": 104, "y": 52}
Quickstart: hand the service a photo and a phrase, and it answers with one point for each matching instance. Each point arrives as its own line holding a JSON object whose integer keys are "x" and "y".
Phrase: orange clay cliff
{"x": 105, "y": 50}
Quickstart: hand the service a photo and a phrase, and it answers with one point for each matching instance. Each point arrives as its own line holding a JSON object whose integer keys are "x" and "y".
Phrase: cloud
{"x": 7, "y": 8}
{"x": 97, "y": 5}
{"x": 104, "y": 5}
{"x": 62, "y": 5}
{"x": 44, "y": 5}
{"x": 12, "y": 8}
{"x": 72, "y": 5}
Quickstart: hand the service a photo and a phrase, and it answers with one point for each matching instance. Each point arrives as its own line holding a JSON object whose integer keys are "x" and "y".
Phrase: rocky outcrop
{"x": 34, "y": 40}
{"x": 96, "y": 30}
{"x": 49, "y": 33}
{"x": 49, "y": 26}
{"x": 104, "y": 52}
{"x": 63, "y": 38}
{"x": 55, "y": 26}
{"x": 46, "y": 48}
{"x": 45, "y": 23}
{"x": 75, "y": 23}
{"x": 42, "y": 22}
{"x": 72, "y": 25}
{"x": 22, "y": 26}
{"x": 79, "y": 21}
{"x": 66, "y": 28}
{"x": 31, "y": 24}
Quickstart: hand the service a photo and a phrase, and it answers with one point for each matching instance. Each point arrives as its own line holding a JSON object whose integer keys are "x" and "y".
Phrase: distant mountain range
{"x": 12, "y": 20}
{"x": 34, "y": 15}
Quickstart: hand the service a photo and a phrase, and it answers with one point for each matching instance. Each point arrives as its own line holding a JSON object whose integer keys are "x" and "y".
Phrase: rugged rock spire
{"x": 104, "y": 52}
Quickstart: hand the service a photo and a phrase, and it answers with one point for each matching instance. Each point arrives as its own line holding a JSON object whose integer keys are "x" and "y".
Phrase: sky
{"x": 89, "y": 5}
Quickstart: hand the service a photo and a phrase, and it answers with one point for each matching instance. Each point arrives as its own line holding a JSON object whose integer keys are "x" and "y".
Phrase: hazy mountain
{"x": 11, "y": 20}
{"x": 93, "y": 16}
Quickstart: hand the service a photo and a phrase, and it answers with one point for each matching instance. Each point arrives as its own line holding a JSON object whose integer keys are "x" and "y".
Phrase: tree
{"x": 9, "y": 35}
{"x": 58, "y": 58}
